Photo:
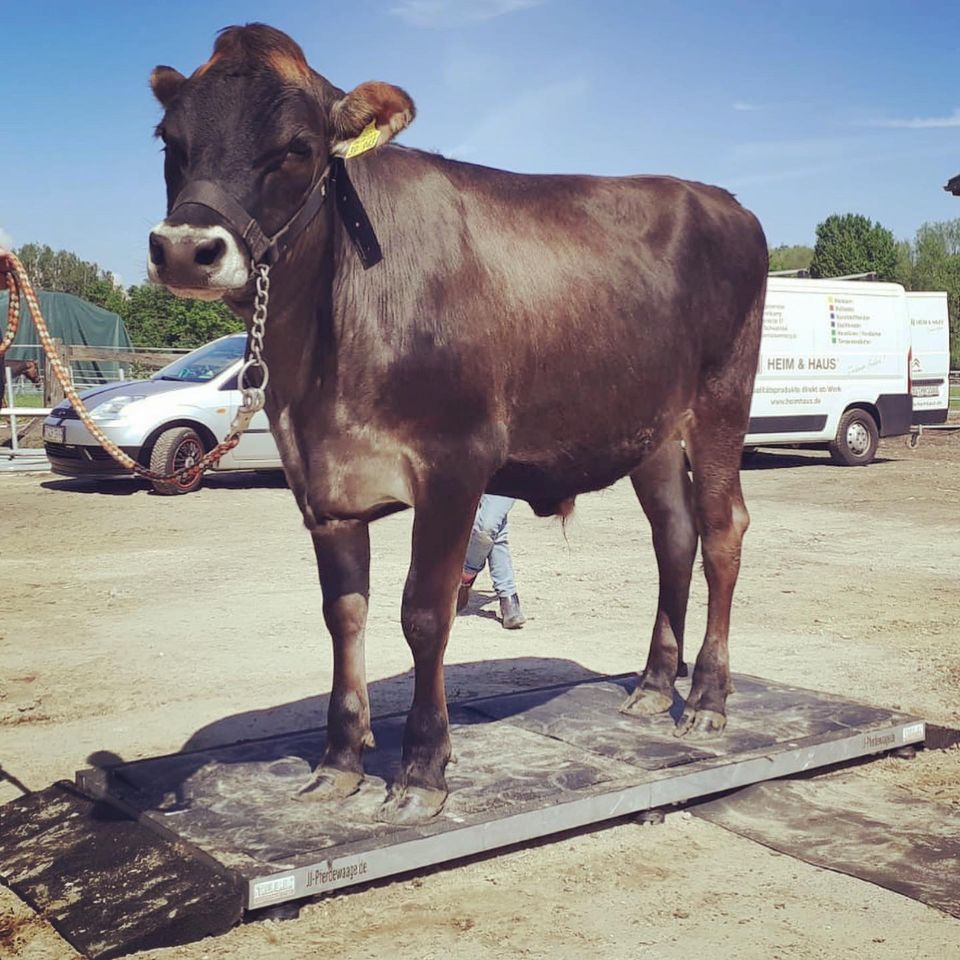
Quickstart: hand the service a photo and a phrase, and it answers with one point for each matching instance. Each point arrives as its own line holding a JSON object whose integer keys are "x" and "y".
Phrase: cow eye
{"x": 171, "y": 147}
{"x": 298, "y": 150}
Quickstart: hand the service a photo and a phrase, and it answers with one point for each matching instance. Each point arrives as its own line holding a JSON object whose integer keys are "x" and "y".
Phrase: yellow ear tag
{"x": 366, "y": 140}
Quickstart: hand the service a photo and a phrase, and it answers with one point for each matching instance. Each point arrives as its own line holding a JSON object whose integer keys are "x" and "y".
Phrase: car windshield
{"x": 204, "y": 364}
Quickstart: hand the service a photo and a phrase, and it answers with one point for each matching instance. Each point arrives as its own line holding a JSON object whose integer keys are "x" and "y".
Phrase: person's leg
{"x": 501, "y": 563}
{"x": 489, "y": 527}
{"x": 504, "y": 581}
{"x": 491, "y": 516}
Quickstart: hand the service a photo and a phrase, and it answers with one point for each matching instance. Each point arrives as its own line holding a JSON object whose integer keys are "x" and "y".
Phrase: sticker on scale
{"x": 273, "y": 888}
{"x": 914, "y": 731}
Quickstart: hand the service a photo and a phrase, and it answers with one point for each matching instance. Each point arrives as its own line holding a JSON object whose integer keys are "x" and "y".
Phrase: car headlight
{"x": 113, "y": 409}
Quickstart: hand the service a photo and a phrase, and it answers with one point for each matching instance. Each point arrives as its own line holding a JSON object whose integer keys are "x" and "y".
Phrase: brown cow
{"x": 534, "y": 336}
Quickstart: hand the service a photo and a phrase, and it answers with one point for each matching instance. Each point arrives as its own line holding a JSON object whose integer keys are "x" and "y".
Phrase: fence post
{"x": 52, "y": 391}
{"x": 13, "y": 405}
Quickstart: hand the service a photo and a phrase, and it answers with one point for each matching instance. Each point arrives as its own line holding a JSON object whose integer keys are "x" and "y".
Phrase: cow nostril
{"x": 209, "y": 252}
{"x": 157, "y": 257}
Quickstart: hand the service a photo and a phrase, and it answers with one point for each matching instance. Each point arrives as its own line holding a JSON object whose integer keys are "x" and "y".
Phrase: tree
{"x": 104, "y": 292}
{"x": 850, "y": 243}
{"x": 65, "y": 272}
{"x": 785, "y": 257}
{"x": 156, "y": 318}
{"x": 903, "y": 271}
{"x": 936, "y": 266}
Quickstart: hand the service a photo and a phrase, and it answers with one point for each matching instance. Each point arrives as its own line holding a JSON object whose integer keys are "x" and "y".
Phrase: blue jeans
{"x": 488, "y": 543}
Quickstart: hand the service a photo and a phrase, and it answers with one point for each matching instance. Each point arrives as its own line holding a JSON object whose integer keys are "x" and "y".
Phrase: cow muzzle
{"x": 203, "y": 263}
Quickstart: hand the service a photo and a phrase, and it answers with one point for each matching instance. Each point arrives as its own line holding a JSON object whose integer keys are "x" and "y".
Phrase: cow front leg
{"x": 666, "y": 495}
{"x": 343, "y": 565}
{"x": 441, "y": 530}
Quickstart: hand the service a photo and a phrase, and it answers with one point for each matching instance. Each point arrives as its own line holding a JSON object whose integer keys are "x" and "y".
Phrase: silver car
{"x": 165, "y": 423}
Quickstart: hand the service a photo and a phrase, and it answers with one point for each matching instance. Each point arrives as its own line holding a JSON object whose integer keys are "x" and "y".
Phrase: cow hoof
{"x": 700, "y": 724}
{"x": 411, "y": 805}
{"x": 328, "y": 783}
{"x": 646, "y": 703}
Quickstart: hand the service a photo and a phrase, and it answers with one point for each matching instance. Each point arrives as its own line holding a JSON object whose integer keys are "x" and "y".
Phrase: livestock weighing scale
{"x": 529, "y": 764}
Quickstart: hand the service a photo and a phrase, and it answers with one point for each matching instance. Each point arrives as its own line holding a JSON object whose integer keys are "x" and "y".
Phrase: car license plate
{"x": 54, "y": 434}
{"x": 926, "y": 391}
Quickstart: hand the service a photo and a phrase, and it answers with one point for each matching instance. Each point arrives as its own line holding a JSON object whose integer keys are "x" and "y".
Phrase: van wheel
{"x": 175, "y": 449}
{"x": 856, "y": 441}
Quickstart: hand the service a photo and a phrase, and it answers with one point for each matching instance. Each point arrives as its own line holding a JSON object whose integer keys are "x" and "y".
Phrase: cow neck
{"x": 298, "y": 337}
{"x": 300, "y": 330}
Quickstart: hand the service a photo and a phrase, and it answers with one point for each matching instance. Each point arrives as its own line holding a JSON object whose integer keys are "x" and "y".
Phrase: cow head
{"x": 256, "y": 127}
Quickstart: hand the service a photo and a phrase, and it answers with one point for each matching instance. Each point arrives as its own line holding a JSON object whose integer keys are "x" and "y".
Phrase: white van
{"x": 834, "y": 367}
{"x": 930, "y": 373}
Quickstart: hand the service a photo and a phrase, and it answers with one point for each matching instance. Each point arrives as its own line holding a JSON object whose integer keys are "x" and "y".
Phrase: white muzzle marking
{"x": 230, "y": 273}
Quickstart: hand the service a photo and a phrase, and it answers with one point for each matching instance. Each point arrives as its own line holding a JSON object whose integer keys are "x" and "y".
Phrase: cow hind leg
{"x": 666, "y": 495}
{"x": 343, "y": 565}
{"x": 441, "y": 530}
{"x": 715, "y": 446}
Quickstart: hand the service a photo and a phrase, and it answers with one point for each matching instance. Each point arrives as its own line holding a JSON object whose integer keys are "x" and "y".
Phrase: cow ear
{"x": 165, "y": 82}
{"x": 368, "y": 117}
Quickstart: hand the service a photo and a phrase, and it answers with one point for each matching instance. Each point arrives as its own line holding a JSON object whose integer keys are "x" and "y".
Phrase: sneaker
{"x": 511, "y": 615}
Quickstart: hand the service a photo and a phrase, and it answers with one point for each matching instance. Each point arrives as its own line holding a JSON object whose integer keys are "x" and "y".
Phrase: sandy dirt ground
{"x": 132, "y": 623}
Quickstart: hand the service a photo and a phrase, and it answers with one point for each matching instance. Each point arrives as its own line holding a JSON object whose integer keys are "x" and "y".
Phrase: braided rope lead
{"x": 13, "y": 309}
{"x": 19, "y": 285}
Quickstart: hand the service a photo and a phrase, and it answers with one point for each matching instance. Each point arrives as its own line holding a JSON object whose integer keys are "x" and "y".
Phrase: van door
{"x": 930, "y": 364}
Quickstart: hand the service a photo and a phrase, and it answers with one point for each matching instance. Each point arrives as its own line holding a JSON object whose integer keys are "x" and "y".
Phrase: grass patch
{"x": 27, "y": 400}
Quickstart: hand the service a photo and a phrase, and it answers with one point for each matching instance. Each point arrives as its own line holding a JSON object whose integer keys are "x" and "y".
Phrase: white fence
{"x": 14, "y": 411}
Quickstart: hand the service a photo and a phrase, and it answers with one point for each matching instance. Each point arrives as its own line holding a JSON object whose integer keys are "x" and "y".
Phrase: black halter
{"x": 269, "y": 249}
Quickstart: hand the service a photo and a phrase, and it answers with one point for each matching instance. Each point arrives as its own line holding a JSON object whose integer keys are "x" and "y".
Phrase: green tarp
{"x": 71, "y": 320}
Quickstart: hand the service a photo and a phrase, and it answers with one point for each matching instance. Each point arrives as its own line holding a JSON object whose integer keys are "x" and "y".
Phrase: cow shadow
{"x": 296, "y": 730}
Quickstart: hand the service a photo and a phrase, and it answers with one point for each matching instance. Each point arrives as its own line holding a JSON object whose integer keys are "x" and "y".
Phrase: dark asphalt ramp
{"x": 844, "y": 822}
{"x": 108, "y": 885}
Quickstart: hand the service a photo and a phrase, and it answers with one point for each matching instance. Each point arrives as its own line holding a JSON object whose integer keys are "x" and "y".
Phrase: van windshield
{"x": 205, "y": 363}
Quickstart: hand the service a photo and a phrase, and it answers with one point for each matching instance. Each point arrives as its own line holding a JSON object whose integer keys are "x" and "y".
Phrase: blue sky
{"x": 802, "y": 109}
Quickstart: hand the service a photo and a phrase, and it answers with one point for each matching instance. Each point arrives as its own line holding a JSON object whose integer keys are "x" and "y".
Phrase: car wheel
{"x": 175, "y": 449}
{"x": 857, "y": 438}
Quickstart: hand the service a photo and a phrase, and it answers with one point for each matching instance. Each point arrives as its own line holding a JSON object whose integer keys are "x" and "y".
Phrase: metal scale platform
{"x": 529, "y": 764}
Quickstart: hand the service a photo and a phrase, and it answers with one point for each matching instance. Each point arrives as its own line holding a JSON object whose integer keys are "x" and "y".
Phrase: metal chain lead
{"x": 253, "y": 396}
